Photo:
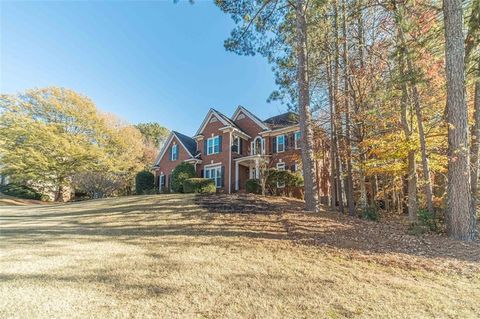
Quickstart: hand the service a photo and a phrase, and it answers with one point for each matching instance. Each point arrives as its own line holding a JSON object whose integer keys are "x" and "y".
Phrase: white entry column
{"x": 236, "y": 176}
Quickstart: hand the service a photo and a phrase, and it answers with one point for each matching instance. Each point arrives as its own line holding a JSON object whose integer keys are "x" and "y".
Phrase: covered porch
{"x": 248, "y": 167}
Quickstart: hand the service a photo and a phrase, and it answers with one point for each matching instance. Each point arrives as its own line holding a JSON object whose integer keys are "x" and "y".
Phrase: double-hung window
{"x": 280, "y": 143}
{"x": 281, "y": 167}
{"x": 236, "y": 145}
{"x": 213, "y": 145}
{"x": 174, "y": 152}
{"x": 215, "y": 174}
{"x": 297, "y": 136}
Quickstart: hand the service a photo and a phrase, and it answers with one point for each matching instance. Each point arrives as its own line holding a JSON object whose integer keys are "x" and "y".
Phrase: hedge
{"x": 144, "y": 182}
{"x": 182, "y": 172}
{"x": 199, "y": 185}
{"x": 21, "y": 191}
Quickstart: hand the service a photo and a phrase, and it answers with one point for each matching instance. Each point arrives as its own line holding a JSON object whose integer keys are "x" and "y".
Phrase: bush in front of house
{"x": 199, "y": 185}
{"x": 182, "y": 172}
{"x": 253, "y": 186}
{"x": 21, "y": 191}
{"x": 144, "y": 182}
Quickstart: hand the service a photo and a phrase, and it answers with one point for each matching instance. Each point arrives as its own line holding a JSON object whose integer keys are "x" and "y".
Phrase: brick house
{"x": 232, "y": 150}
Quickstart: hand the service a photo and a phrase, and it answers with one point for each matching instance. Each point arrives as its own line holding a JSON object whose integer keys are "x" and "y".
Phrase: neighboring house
{"x": 232, "y": 150}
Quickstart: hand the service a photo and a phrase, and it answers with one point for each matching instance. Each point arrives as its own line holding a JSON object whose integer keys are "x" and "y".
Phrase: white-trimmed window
{"x": 236, "y": 145}
{"x": 258, "y": 146}
{"x": 297, "y": 137}
{"x": 213, "y": 145}
{"x": 280, "y": 143}
{"x": 161, "y": 182}
{"x": 214, "y": 173}
{"x": 174, "y": 152}
{"x": 280, "y": 167}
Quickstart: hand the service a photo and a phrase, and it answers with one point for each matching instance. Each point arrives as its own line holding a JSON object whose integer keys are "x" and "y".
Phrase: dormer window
{"x": 174, "y": 153}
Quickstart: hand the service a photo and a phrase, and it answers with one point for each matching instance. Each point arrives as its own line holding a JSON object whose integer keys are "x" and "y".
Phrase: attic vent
{"x": 214, "y": 119}
{"x": 240, "y": 116}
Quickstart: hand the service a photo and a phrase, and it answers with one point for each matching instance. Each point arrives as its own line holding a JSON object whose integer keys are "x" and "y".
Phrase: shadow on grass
{"x": 130, "y": 219}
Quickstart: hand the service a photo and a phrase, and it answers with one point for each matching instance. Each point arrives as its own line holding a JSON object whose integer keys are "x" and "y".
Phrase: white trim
{"x": 215, "y": 168}
{"x": 282, "y": 164}
{"x": 166, "y": 146}
{"x": 206, "y": 121}
{"x": 213, "y": 145}
{"x": 286, "y": 129}
{"x": 230, "y": 163}
{"x": 250, "y": 115}
{"x": 213, "y": 164}
{"x": 174, "y": 145}
{"x": 295, "y": 140}
{"x": 236, "y": 130}
{"x": 276, "y": 140}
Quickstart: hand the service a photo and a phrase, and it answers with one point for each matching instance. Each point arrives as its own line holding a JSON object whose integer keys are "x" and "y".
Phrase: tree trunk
{"x": 338, "y": 125}
{"x": 59, "y": 195}
{"x": 461, "y": 220}
{"x": 423, "y": 145}
{"x": 362, "y": 157}
{"x": 306, "y": 125}
{"x": 333, "y": 144}
{"x": 474, "y": 149}
{"x": 348, "y": 146}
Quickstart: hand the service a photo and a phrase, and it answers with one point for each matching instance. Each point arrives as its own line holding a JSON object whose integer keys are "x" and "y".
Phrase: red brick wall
{"x": 222, "y": 157}
{"x": 166, "y": 165}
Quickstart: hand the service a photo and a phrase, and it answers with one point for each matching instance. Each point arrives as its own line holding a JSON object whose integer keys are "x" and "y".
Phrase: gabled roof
{"x": 258, "y": 121}
{"x": 187, "y": 143}
{"x": 282, "y": 120}
{"x": 221, "y": 117}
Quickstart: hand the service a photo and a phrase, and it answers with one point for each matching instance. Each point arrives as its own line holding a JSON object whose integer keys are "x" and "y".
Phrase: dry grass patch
{"x": 183, "y": 256}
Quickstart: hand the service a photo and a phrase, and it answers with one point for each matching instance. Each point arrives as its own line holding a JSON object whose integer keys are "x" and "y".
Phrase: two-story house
{"x": 232, "y": 150}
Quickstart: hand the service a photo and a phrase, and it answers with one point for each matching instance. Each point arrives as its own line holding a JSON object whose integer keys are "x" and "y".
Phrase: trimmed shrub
{"x": 199, "y": 185}
{"x": 144, "y": 182}
{"x": 21, "y": 191}
{"x": 182, "y": 172}
{"x": 253, "y": 186}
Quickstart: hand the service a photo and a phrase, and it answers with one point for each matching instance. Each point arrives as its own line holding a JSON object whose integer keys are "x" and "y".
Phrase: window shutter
{"x": 219, "y": 143}
{"x": 223, "y": 176}
{"x": 292, "y": 140}
{"x": 201, "y": 173}
{"x": 274, "y": 144}
{"x": 204, "y": 147}
{"x": 240, "y": 146}
{"x": 285, "y": 140}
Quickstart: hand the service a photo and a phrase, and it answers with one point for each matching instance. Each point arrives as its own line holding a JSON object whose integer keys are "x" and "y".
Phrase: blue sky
{"x": 144, "y": 61}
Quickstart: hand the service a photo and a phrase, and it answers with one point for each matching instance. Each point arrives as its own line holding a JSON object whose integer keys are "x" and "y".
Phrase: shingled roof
{"x": 282, "y": 120}
{"x": 189, "y": 142}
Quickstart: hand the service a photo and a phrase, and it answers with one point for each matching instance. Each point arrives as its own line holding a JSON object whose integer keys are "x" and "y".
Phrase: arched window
{"x": 258, "y": 146}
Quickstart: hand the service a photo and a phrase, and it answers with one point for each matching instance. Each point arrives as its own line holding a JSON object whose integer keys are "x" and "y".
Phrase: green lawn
{"x": 180, "y": 256}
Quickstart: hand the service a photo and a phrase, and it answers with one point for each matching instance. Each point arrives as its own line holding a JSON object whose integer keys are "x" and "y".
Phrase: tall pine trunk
{"x": 474, "y": 149}
{"x": 362, "y": 153}
{"x": 461, "y": 219}
{"x": 338, "y": 124}
{"x": 348, "y": 143}
{"x": 306, "y": 125}
{"x": 405, "y": 56}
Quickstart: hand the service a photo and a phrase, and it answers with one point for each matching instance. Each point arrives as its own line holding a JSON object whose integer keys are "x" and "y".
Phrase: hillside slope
{"x": 190, "y": 256}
